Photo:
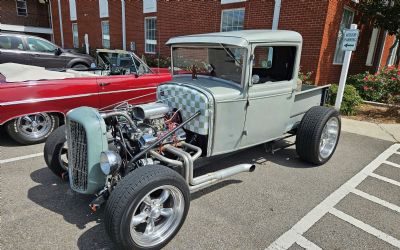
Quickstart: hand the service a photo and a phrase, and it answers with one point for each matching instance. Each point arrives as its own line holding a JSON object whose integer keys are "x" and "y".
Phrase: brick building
{"x": 26, "y": 16}
{"x": 145, "y": 25}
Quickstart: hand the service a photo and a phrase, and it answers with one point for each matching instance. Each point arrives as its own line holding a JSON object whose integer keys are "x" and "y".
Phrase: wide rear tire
{"x": 152, "y": 199}
{"x": 318, "y": 135}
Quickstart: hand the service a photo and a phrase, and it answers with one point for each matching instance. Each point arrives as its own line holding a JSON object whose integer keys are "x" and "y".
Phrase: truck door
{"x": 271, "y": 94}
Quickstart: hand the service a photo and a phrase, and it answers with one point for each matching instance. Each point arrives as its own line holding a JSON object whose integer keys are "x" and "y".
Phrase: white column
{"x": 61, "y": 26}
{"x": 123, "y": 24}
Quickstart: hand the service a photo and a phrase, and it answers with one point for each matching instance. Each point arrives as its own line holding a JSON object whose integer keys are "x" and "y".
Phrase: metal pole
{"x": 123, "y": 24}
{"x": 343, "y": 75}
{"x": 61, "y": 25}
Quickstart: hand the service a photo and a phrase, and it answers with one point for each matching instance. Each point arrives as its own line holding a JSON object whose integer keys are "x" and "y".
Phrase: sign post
{"x": 350, "y": 38}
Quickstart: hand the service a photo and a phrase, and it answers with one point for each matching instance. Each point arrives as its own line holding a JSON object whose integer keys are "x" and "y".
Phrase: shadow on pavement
{"x": 5, "y": 139}
{"x": 55, "y": 195}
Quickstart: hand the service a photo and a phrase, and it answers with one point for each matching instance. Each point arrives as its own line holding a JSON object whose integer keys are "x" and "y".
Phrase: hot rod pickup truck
{"x": 34, "y": 101}
{"x": 230, "y": 91}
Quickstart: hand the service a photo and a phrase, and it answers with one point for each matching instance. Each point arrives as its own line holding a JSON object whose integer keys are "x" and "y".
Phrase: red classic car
{"x": 34, "y": 101}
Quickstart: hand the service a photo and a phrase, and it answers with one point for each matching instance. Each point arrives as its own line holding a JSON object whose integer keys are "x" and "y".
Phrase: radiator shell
{"x": 96, "y": 142}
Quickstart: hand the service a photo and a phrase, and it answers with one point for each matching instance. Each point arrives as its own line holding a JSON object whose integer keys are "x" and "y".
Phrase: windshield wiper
{"x": 230, "y": 54}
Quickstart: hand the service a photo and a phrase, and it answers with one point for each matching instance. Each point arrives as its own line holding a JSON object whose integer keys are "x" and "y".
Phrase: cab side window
{"x": 10, "y": 42}
{"x": 40, "y": 45}
{"x": 273, "y": 64}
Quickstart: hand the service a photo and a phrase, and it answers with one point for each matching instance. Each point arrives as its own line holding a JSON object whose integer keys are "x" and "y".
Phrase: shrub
{"x": 305, "y": 77}
{"x": 383, "y": 86}
{"x": 351, "y": 99}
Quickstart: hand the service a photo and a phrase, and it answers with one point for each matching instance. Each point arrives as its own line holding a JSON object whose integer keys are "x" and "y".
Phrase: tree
{"x": 384, "y": 14}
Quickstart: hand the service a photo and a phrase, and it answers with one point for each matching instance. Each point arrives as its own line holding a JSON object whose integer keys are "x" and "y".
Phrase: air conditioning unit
{"x": 355, "y": 1}
{"x": 42, "y": 1}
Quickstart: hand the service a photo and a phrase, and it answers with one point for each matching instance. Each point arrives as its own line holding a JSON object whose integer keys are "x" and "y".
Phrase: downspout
{"x": 51, "y": 20}
{"x": 277, "y": 12}
{"x": 61, "y": 26}
{"x": 123, "y": 24}
{"x": 275, "y": 24}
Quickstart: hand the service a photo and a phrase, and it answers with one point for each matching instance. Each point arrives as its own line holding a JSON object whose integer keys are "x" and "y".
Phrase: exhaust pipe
{"x": 211, "y": 178}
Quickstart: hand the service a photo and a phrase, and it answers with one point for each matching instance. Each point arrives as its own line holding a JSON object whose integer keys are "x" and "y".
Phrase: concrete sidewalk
{"x": 388, "y": 132}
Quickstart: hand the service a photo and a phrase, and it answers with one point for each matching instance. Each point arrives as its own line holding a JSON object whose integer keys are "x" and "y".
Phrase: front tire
{"x": 55, "y": 152}
{"x": 32, "y": 129}
{"x": 318, "y": 135}
{"x": 147, "y": 208}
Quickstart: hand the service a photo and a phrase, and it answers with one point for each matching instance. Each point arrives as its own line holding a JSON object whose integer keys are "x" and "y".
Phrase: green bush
{"x": 383, "y": 86}
{"x": 351, "y": 99}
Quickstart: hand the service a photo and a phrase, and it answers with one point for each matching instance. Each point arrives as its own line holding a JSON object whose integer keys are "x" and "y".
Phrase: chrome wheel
{"x": 157, "y": 216}
{"x": 329, "y": 137}
{"x": 34, "y": 126}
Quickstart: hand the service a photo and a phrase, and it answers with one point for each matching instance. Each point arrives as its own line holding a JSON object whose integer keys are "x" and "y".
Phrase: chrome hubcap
{"x": 34, "y": 126}
{"x": 157, "y": 216}
{"x": 329, "y": 137}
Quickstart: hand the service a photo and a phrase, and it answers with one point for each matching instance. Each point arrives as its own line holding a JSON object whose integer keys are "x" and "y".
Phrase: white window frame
{"x": 372, "y": 46}
{"x": 102, "y": 35}
{"x": 26, "y": 7}
{"x": 150, "y": 41}
{"x": 235, "y": 9}
{"x": 72, "y": 10}
{"x": 75, "y": 42}
{"x": 339, "y": 46}
{"x": 232, "y": 1}
{"x": 103, "y": 8}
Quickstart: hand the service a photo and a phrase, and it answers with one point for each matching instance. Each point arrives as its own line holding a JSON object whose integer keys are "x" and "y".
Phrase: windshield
{"x": 123, "y": 60}
{"x": 225, "y": 62}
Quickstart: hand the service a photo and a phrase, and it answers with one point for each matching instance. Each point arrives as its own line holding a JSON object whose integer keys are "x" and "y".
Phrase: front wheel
{"x": 31, "y": 129}
{"x": 147, "y": 208}
{"x": 56, "y": 152}
{"x": 318, "y": 135}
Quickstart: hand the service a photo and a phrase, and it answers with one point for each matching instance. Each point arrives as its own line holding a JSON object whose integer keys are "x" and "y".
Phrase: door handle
{"x": 35, "y": 55}
{"x": 103, "y": 84}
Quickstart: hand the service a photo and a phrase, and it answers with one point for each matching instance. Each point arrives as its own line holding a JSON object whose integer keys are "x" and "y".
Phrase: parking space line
{"x": 20, "y": 158}
{"x": 376, "y": 200}
{"x": 292, "y": 235}
{"x": 307, "y": 244}
{"x": 377, "y": 176}
{"x": 392, "y": 164}
{"x": 365, "y": 227}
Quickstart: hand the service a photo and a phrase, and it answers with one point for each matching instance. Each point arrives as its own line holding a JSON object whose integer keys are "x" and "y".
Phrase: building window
{"x": 150, "y": 27}
{"x": 347, "y": 20}
{"x": 372, "y": 47}
{"x": 105, "y": 31}
{"x": 72, "y": 10}
{"x": 149, "y": 6}
{"x": 232, "y": 20}
{"x": 21, "y": 8}
{"x": 103, "y": 8}
{"x": 75, "y": 37}
{"x": 231, "y": 1}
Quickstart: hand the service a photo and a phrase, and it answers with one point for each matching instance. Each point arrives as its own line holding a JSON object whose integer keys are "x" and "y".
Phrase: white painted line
{"x": 307, "y": 244}
{"x": 377, "y": 176}
{"x": 397, "y": 153}
{"x": 376, "y": 200}
{"x": 392, "y": 164}
{"x": 290, "y": 237}
{"x": 365, "y": 227}
{"x": 20, "y": 158}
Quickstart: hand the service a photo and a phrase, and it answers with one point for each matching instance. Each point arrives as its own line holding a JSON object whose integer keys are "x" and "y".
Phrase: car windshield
{"x": 123, "y": 60}
{"x": 225, "y": 62}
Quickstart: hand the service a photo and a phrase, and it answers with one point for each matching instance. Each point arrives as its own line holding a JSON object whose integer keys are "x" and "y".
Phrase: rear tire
{"x": 32, "y": 129}
{"x": 55, "y": 152}
{"x": 318, "y": 135}
{"x": 128, "y": 212}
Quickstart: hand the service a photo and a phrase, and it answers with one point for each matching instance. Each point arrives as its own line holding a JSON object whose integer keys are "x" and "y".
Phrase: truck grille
{"x": 78, "y": 157}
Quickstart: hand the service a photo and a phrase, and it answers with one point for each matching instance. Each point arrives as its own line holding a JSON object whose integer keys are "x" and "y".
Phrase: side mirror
{"x": 58, "y": 52}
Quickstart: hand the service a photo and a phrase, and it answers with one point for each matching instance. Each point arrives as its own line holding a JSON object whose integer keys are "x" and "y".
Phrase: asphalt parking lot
{"x": 352, "y": 202}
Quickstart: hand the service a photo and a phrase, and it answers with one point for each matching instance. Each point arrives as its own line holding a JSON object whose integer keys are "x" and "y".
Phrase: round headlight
{"x": 109, "y": 162}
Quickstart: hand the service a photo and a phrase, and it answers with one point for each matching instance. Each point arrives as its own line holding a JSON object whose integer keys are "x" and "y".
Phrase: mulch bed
{"x": 377, "y": 114}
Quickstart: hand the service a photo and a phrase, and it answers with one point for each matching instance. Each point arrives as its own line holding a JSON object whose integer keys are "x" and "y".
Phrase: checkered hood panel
{"x": 189, "y": 101}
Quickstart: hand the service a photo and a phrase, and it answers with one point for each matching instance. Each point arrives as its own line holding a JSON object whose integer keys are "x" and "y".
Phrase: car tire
{"x": 318, "y": 134}
{"x": 127, "y": 205}
{"x": 80, "y": 66}
{"x": 32, "y": 129}
{"x": 55, "y": 152}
